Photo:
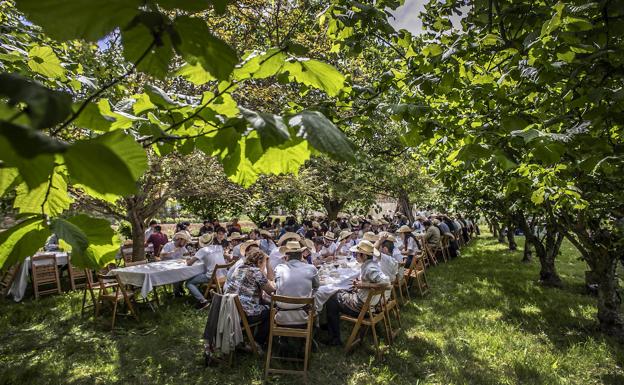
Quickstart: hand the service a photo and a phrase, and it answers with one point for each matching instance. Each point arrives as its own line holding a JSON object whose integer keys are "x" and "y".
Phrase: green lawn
{"x": 486, "y": 321}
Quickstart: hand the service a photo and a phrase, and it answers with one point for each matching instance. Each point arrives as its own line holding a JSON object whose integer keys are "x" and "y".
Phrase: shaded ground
{"x": 485, "y": 322}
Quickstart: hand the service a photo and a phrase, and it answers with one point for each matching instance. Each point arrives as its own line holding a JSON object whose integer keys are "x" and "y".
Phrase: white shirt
{"x": 390, "y": 267}
{"x": 275, "y": 258}
{"x": 267, "y": 246}
{"x": 148, "y": 232}
{"x": 176, "y": 252}
{"x": 329, "y": 250}
{"x": 294, "y": 278}
{"x": 236, "y": 253}
{"x": 211, "y": 256}
{"x": 344, "y": 250}
{"x": 412, "y": 246}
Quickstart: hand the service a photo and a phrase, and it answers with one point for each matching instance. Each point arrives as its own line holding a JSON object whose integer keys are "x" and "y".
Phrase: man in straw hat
{"x": 345, "y": 242}
{"x": 234, "y": 241}
{"x": 294, "y": 278}
{"x": 267, "y": 244}
{"x": 276, "y": 257}
{"x": 409, "y": 245}
{"x": 174, "y": 250}
{"x": 350, "y": 302}
{"x": 245, "y": 248}
{"x": 210, "y": 256}
{"x": 330, "y": 246}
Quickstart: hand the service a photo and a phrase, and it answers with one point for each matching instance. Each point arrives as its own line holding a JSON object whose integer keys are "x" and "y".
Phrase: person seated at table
{"x": 329, "y": 246}
{"x": 234, "y": 242}
{"x": 276, "y": 257}
{"x": 249, "y": 281}
{"x": 220, "y": 238}
{"x": 308, "y": 246}
{"x": 390, "y": 266}
{"x": 158, "y": 240}
{"x": 350, "y": 302}
{"x": 344, "y": 243}
{"x": 315, "y": 255}
{"x": 245, "y": 248}
{"x": 295, "y": 278}
{"x": 432, "y": 235}
{"x": 254, "y": 235}
{"x": 176, "y": 249}
{"x": 409, "y": 245}
{"x": 206, "y": 228}
{"x": 234, "y": 227}
{"x": 52, "y": 243}
{"x": 210, "y": 257}
{"x": 151, "y": 227}
{"x": 267, "y": 244}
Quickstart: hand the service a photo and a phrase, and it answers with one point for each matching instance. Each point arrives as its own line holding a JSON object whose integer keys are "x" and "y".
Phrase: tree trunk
{"x": 138, "y": 235}
{"x": 406, "y": 206}
{"x": 546, "y": 252}
{"x": 333, "y": 207}
{"x": 495, "y": 229}
{"x": 501, "y": 233}
{"x": 527, "y": 255}
{"x": 511, "y": 236}
{"x": 609, "y": 312}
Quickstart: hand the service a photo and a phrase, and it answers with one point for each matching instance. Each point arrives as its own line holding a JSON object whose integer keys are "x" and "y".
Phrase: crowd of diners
{"x": 283, "y": 257}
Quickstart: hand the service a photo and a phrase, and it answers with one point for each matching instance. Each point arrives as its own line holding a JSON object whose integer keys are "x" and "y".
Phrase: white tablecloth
{"x": 18, "y": 288}
{"x": 154, "y": 274}
{"x": 337, "y": 279}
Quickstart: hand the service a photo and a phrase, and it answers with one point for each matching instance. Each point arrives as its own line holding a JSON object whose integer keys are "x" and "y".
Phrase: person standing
{"x": 158, "y": 239}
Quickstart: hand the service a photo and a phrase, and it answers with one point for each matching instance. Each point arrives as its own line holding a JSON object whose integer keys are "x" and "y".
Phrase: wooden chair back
{"x": 215, "y": 282}
{"x": 369, "y": 317}
{"x": 114, "y": 294}
{"x": 277, "y": 330}
{"x": 45, "y": 273}
{"x": 77, "y": 277}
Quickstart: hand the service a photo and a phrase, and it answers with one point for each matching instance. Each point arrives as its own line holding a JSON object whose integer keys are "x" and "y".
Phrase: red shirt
{"x": 158, "y": 240}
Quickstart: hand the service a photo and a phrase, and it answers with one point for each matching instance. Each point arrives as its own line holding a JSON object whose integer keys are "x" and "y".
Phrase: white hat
{"x": 405, "y": 229}
{"x": 292, "y": 247}
{"x": 183, "y": 235}
{"x": 370, "y": 236}
{"x": 205, "y": 239}
{"x": 365, "y": 247}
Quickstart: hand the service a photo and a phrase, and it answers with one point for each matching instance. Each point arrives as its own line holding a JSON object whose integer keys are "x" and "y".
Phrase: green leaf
{"x": 22, "y": 240}
{"x": 93, "y": 241}
{"x": 198, "y": 45}
{"x": 135, "y": 43}
{"x": 44, "y": 61}
{"x": 271, "y": 128}
{"x": 32, "y": 170}
{"x": 195, "y": 74}
{"x": 554, "y": 22}
{"x": 261, "y": 65}
{"x": 29, "y": 143}
{"x": 78, "y": 19}
{"x": 45, "y": 107}
{"x": 92, "y": 118}
{"x": 287, "y": 158}
{"x": 7, "y": 178}
{"x": 322, "y": 134}
{"x": 576, "y": 24}
{"x": 537, "y": 196}
{"x": 513, "y": 123}
{"x": 549, "y": 153}
{"x": 432, "y": 50}
{"x": 49, "y": 198}
{"x": 315, "y": 74}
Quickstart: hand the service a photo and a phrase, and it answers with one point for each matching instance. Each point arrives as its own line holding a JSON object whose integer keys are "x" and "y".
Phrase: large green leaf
{"x": 322, "y": 134}
{"x": 271, "y": 128}
{"x": 195, "y": 74}
{"x": 137, "y": 40}
{"x": 93, "y": 242}
{"x": 92, "y": 118}
{"x": 22, "y": 240}
{"x": 44, "y": 61}
{"x": 32, "y": 170}
{"x": 45, "y": 107}
{"x": 28, "y": 143}
{"x": 128, "y": 150}
{"x": 315, "y": 74}
{"x": 198, "y": 45}
{"x": 8, "y": 176}
{"x": 261, "y": 65}
{"x": 49, "y": 198}
{"x": 79, "y": 19}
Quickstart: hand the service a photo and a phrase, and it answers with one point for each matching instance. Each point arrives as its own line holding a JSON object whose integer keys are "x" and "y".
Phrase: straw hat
{"x": 266, "y": 233}
{"x": 288, "y": 236}
{"x": 344, "y": 234}
{"x": 182, "y": 235}
{"x": 365, "y": 247}
{"x": 316, "y": 225}
{"x": 370, "y": 236}
{"x": 404, "y": 229}
{"x": 388, "y": 236}
{"x": 245, "y": 245}
{"x": 375, "y": 222}
{"x": 354, "y": 222}
{"x": 205, "y": 239}
{"x": 309, "y": 244}
{"x": 292, "y": 247}
{"x": 236, "y": 236}
{"x": 127, "y": 242}
{"x": 329, "y": 235}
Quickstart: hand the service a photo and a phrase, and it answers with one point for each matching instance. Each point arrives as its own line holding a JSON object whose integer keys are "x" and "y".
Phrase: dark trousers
{"x": 334, "y": 308}
{"x": 408, "y": 261}
{"x": 453, "y": 248}
{"x": 262, "y": 330}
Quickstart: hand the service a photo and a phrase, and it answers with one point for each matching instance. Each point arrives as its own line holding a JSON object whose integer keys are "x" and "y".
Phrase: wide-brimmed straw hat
{"x": 127, "y": 242}
{"x": 388, "y": 236}
{"x": 292, "y": 247}
{"x": 344, "y": 234}
{"x": 354, "y": 222}
{"x": 370, "y": 236}
{"x": 405, "y": 229}
{"x": 316, "y": 225}
{"x": 266, "y": 233}
{"x": 182, "y": 235}
{"x": 288, "y": 236}
{"x": 365, "y": 247}
{"x": 375, "y": 222}
{"x": 205, "y": 239}
{"x": 330, "y": 235}
{"x": 309, "y": 244}
{"x": 235, "y": 236}
{"x": 245, "y": 245}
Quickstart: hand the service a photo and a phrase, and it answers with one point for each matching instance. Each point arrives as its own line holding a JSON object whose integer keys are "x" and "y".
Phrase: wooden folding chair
{"x": 400, "y": 284}
{"x": 8, "y": 276}
{"x": 126, "y": 254}
{"x": 91, "y": 287}
{"x": 119, "y": 294}
{"x": 216, "y": 284}
{"x": 416, "y": 271}
{"x": 246, "y": 327}
{"x": 45, "y": 273}
{"x": 76, "y": 274}
{"x": 444, "y": 248}
{"x": 369, "y": 317}
{"x": 430, "y": 254}
{"x": 391, "y": 308}
{"x": 277, "y": 330}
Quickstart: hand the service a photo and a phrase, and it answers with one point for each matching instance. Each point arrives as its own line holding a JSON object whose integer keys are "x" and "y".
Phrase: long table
{"x": 160, "y": 273}
{"x": 18, "y": 288}
{"x": 333, "y": 279}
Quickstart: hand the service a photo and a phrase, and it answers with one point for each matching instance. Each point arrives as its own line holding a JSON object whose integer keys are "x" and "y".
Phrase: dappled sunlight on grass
{"x": 486, "y": 321}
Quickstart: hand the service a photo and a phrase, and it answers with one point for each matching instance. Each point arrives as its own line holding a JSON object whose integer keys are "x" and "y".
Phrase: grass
{"x": 486, "y": 321}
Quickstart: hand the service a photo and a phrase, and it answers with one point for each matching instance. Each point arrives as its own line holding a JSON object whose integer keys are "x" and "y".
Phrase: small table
{"x": 18, "y": 288}
{"x": 150, "y": 275}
